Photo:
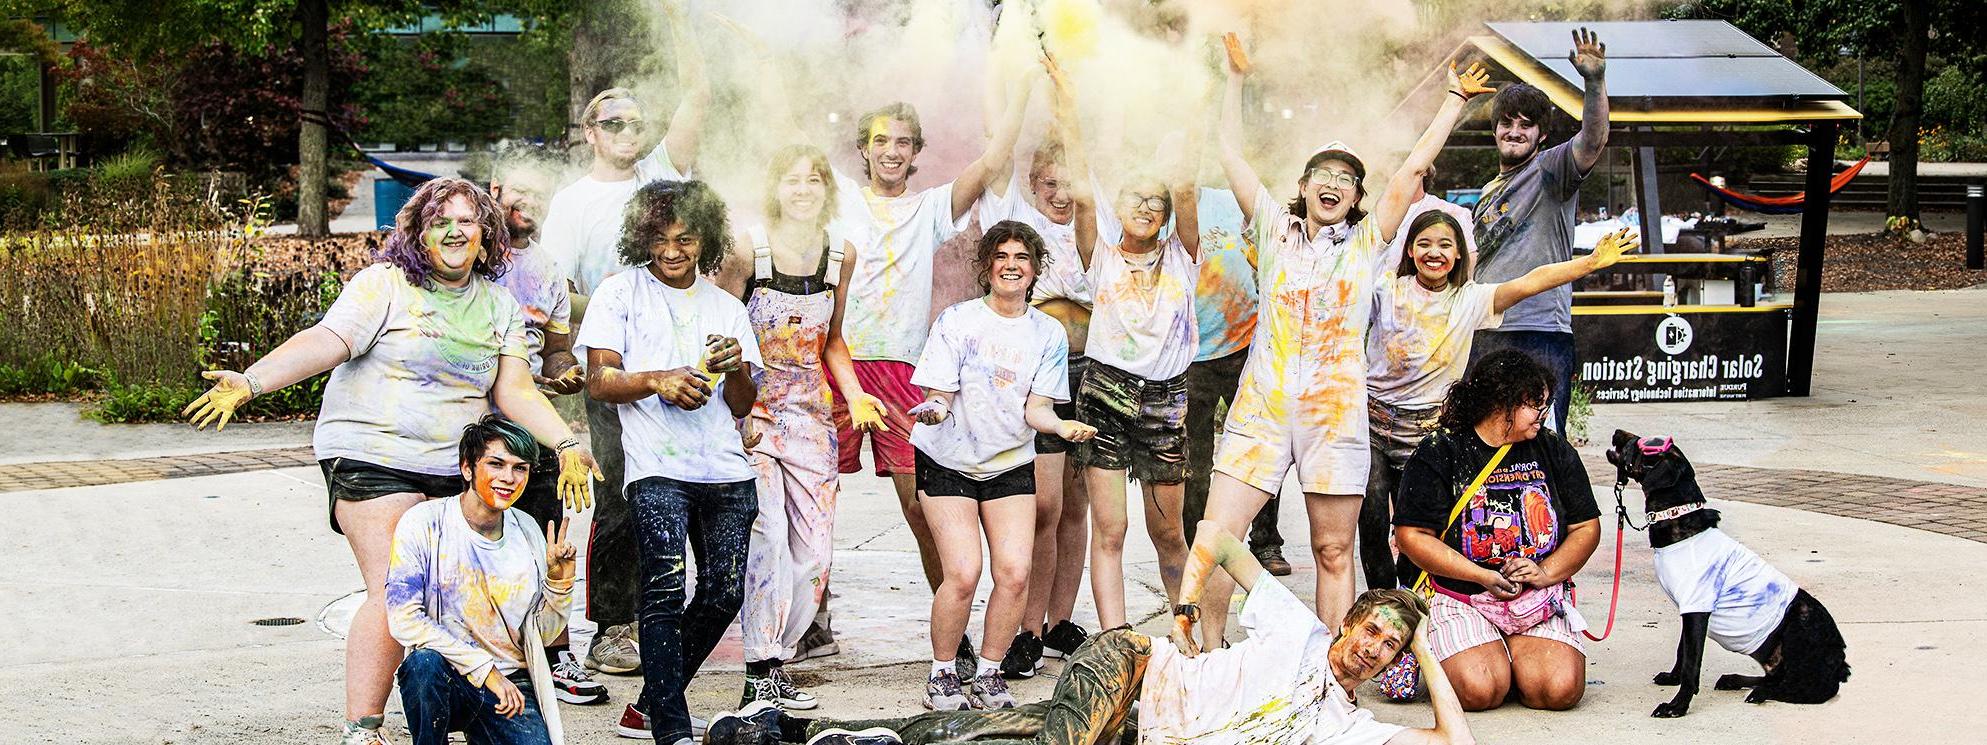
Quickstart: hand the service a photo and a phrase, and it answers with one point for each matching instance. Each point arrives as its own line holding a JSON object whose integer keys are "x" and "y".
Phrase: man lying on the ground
{"x": 475, "y": 591}
{"x": 1289, "y": 682}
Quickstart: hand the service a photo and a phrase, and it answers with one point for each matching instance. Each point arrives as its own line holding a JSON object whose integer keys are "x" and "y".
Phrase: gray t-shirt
{"x": 1525, "y": 221}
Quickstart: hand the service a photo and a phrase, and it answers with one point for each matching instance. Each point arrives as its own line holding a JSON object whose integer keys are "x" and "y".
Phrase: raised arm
{"x": 1076, "y": 160}
{"x": 686, "y": 127}
{"x": 1450, "y": 728}
{"x": 1242, "y": 178}
{"x": 1590, "y": 58}
{"x": 1606, "y": 253}
{"x": 1405, "y": 188}
{"x": 972, "y": 182}
{"x": 1186, "y": 192}
{"x": 1213, "y": 546}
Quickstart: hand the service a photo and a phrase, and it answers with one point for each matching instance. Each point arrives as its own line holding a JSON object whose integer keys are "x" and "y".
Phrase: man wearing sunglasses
{"x": 582, "y": 230}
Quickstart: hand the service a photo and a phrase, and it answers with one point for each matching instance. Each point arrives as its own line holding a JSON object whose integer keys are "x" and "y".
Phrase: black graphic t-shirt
{"x": 1522, "y": 510}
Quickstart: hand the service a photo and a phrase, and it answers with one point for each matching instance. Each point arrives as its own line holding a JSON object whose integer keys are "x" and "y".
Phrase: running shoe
{"x": 1062, "y": 640}
{"x": 1024, "y": 656}
{"x": 636, "y": 726}
{"x": 362, "y": 736}
{"x": 757, "y": 723}
{"x": 615, "y": 652}
{"x": 573, "y": 684}
{"x": 990, "y": 691}
{"x": 1271, "y": 557}
{"x": 871, "y": 736}
{"x": 943, "y": 692}
{"x": 817, "y": 642}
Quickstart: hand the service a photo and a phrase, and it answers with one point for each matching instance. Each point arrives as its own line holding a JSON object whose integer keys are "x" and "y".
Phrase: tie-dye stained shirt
{"x": 539, "y": 287}
{"x": 889, "y": 290}
{"x": 1144, "y": 317}
{"x": 423, "y": 362}
{"x": 657, "y": 327}
{"x": 452, "y": 590}
{"x": 991, "y": 362}
{"x": 1225, "y": 296}
{"x": 1420, "y": 340}
{"x": 582, "y": 228}
{"x": 1274, "y": 688}
{"x": 1712, "y": 573}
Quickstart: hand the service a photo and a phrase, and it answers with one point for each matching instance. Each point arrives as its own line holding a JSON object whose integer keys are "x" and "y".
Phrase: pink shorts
{"x": 1454, "y": 626}
{"x": 889, "y": 380}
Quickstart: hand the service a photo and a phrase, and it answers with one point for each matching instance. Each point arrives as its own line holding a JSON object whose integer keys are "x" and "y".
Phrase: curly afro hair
{"x": 661, "y": 204}
{"x": 1495, "y": 386}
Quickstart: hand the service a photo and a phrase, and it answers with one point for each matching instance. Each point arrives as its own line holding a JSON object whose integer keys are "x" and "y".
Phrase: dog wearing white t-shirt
{"x": 1725, "y": 591}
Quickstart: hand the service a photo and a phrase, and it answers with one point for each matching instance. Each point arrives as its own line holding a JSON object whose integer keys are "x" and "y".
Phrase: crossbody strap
{"x": 1421, "y": 583}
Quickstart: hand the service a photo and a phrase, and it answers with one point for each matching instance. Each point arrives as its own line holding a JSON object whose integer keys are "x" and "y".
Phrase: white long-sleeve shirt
{"x": 470, "y": 598}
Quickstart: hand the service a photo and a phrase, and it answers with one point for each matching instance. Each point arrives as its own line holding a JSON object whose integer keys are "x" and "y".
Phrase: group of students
{"x": 729, "y": 376}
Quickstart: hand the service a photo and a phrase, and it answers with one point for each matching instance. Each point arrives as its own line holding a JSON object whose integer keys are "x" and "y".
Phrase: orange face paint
{"x": 490, "y": 495}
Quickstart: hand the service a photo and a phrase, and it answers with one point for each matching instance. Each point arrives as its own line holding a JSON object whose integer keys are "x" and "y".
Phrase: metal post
{"x": 1807, "y": 274}
{"x": 1976, "y": 214}
{"x": 1648, "y": 201}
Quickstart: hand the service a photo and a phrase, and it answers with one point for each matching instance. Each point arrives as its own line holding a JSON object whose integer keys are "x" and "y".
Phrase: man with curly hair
{"x": 663, "y": 345}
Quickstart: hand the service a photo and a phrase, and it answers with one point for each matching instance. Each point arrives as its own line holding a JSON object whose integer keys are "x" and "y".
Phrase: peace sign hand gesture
{"x": 559, "y": 553}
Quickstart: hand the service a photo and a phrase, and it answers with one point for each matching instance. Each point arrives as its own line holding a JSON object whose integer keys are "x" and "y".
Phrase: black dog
{"x": 1726, "y": 590}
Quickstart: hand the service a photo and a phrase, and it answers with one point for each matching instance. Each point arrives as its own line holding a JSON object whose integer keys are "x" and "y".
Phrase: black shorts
{"x": 357, "y": 481}
{"x": 1048, "y": 443}
{"x": 935, "y": 480}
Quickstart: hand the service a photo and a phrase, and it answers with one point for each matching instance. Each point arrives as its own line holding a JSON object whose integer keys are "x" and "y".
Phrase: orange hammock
{"x": 1786, "y": 205}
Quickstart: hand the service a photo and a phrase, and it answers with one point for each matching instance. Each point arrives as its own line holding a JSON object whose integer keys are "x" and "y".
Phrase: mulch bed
{"x": 1871, "y": 262}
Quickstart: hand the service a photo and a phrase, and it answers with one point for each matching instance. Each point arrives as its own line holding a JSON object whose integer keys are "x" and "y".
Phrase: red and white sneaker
{"x": 635, "y": 725}
{"x": 572, "y": 683}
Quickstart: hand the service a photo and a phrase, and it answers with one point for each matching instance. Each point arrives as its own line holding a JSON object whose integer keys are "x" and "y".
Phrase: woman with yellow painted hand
{"x": 419, "y": 346}
{"x": 1423, "y": 323}
{"x": 1302, "y": 402}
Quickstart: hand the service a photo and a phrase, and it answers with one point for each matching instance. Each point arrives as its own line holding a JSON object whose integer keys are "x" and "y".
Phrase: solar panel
{"x": 1673, "y": 59}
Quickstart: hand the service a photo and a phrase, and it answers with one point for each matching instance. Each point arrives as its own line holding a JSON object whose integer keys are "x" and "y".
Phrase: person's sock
{"x": 939, "y": 666}
{"x": 760, "y": 669}
{"x": 988, "y": 667}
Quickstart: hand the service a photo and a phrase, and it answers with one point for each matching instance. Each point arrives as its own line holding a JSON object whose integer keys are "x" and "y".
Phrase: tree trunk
{"x": 1903, "y": 135}
{"x": 607, "y": 45}
{"x": 315, "y": 18}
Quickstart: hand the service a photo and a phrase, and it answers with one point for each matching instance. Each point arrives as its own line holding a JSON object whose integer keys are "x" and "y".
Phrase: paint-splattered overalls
{"x": 793, "y": 538}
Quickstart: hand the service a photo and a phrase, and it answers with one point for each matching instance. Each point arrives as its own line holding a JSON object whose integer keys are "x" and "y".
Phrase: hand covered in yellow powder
{"x": 1471, "y": 82}
{"x": 219, "y": 403}
{"x": 866, "y": 413}
{"x": 1610, "y": 248}
{"x": 575, "y": 465}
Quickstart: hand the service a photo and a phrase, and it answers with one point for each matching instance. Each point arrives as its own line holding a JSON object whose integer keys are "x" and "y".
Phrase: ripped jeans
{"x": 715, "y": 521}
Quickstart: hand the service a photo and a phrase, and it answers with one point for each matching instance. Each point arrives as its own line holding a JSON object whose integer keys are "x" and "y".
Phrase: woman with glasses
{"x": 419, "y": 346}
{"x": 1302, "y": 403}
{"x": 1527, "y": 524}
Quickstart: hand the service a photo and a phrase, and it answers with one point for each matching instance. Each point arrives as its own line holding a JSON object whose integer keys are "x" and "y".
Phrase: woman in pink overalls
{"x": 790, "y": 295}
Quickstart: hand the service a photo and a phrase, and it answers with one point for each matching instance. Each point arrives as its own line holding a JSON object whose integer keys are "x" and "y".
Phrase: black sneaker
{"x": 871, "y": 736}
{"x": 758, "y": 723}
{"x": 1271, "y": 557}
{"x": 817, "y": 642}
{"x": 1023, "y": 658}
{"x": 967, "y": 664}
{"x": 1062, "y": 640}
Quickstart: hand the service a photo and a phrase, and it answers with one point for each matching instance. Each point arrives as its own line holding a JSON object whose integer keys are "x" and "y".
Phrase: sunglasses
{"x": 616, "y": 126}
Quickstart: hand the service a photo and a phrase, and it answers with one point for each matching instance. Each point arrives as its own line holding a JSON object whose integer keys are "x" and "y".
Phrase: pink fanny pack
{"x": 1517, "y": 615}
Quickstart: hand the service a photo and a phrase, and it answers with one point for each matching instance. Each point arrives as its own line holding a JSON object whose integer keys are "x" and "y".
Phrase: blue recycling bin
{"x": 388, "y": 197}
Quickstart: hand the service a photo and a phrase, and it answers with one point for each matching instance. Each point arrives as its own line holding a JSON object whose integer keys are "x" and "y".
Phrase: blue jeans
{"x": 439, "y": 700}
{"x": 715, "y": 520}
{"x": 1554, "y": 349}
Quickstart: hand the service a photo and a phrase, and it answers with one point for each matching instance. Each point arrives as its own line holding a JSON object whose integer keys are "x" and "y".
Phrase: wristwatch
{"x": 1191, "y": 611}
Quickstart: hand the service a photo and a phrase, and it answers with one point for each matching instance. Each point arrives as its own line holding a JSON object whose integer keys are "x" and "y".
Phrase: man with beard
{"x": 1525, "y": 219}
{"x": 582, "y": 231}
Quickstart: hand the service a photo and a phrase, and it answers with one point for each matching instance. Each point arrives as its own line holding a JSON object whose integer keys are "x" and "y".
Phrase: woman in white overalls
{"x": 789, "y": 293}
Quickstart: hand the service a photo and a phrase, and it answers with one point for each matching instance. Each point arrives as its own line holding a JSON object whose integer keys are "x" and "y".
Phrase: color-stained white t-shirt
{"x": 451, "y": 590}
{"x": 1712, "y": 573}
{"x": 889, "y": 289}
{"x": 1274, "y": 687}
{"x": 1063, "y": 277}
{"x": 1420, "y": 339}
{"x": 657, "y": 327}
{"x": 1143, "y": 322}
{"x": 991, "y": 363}
{"x": 582, "y": 229}
{"x": 423, "y": 363}
{"x": 539, "y": 287}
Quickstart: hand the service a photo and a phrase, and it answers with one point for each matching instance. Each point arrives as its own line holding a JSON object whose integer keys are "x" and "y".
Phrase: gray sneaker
{"x": 614, "y": 651}
{"x": 990, "y": 691}
{"x": 943, "y": 692}
{"x": 362, "y": 736}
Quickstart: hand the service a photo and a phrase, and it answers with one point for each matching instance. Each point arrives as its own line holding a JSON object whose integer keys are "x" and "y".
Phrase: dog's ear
{"x": 1623, "y": 437}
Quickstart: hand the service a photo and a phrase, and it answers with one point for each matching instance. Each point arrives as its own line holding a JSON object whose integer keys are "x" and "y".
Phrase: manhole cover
{"x": 284, "y": 621}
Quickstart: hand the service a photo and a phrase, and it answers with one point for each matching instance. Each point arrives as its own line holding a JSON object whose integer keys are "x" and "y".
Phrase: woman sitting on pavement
{"x": 1501, "y": 516}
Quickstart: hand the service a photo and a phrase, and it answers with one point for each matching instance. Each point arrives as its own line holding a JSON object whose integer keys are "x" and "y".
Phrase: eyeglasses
{"x": 1151, "y": 204}
{"x": 614, "y": 126}
{"x": 1327, "y": 177}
